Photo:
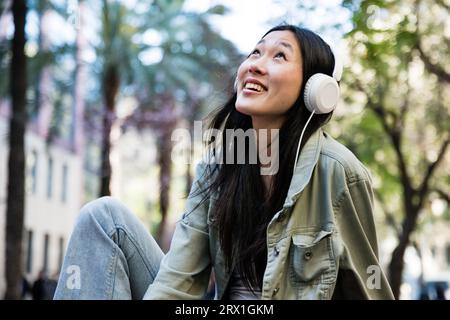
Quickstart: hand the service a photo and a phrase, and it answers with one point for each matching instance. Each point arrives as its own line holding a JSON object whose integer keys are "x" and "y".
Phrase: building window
{"x": 50, "y": 178}
{"x": 61, "y": 252}
{"x": 29, "y": 258}
{"x": 46, "y": 248}
{"x": 64, "y": 183}
{"x": 33, "y": 171}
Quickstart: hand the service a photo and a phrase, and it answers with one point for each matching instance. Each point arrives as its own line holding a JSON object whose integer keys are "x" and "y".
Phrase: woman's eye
{"x": 256, "y": 51}
{"x": 280, "y": 55}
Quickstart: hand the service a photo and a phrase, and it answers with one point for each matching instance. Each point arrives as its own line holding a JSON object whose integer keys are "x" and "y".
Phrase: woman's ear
{"x": 235, "y": 84}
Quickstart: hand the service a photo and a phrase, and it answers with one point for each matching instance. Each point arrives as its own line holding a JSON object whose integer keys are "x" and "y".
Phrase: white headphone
{"x": 322, "y": 92}
{"x": 321, "y": 95}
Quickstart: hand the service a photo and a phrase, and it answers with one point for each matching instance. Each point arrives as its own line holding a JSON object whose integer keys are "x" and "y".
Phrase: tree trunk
{"x": 105, "y": 179}
{"x": 422, "y": 264}
{"x": 165, "y": 170}
{"x": 16, "y": 162}
{"x": 188, "y": 178}
{"x": 192, "y": 114}
{"x": 396, "y": 265}
{"x": 189, "y": 160}
{"x": 110, "y": 90}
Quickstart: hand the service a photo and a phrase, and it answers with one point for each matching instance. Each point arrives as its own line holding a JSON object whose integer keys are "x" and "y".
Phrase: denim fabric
{"x": 111, "y": 252}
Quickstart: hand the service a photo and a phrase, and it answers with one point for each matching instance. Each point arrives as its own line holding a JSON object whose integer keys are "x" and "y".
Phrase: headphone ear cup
{"x": 321, "y": 93}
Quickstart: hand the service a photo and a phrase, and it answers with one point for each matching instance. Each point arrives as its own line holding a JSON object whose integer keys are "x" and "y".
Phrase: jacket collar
{"x": 304, "y": 167}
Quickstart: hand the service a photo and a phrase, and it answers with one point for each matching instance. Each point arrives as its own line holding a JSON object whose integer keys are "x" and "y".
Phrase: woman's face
{"x": 270, "y": 79}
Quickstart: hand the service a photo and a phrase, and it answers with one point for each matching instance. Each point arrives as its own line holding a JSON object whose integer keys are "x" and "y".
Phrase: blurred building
{"x": 434, "y": 244}
{"x": 53, "y": 199}
{"x": 427, "y": 263}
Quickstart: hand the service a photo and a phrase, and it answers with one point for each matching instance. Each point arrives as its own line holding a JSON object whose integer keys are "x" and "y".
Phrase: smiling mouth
{"x": 253, "y": 87}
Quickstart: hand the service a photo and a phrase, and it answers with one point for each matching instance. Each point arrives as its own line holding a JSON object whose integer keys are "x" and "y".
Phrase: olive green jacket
{"x": 321, "y": 245}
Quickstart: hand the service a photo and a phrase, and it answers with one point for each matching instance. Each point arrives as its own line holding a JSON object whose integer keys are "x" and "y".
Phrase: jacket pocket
{"x": 312, "y": 257}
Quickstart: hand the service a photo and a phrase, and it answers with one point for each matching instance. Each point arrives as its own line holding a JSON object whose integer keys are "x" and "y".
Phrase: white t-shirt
{"x": 238, "y": 291}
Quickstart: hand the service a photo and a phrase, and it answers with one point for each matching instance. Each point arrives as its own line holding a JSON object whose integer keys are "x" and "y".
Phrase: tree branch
{"x": 424, "y": 186}
{"x": 442, "y": 3}
{"x": 388, "y": 215}
{"x": 394, "y": 133}
{"x": 433, "y": 68}
{"x": 436, "y": 69}
{"x": 443, "y": 195}
{"x": 405, "y": 105}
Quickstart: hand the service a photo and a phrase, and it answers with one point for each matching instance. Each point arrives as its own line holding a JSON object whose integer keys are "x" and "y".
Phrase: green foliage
{"x": 218, "y": 9}
{"x": 193, "y": 55}
{"x": 402, "y": 97}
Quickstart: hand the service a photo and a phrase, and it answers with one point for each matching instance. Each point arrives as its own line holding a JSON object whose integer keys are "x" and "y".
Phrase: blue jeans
{"x": 110, "y": 255}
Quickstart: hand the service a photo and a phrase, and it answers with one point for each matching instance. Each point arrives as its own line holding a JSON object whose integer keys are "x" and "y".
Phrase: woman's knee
{"x": 103, "y": 211}
{"x": 111, "y": 215}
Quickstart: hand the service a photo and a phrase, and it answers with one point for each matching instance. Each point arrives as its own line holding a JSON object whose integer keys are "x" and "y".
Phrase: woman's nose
{"x": 257, "y": 67}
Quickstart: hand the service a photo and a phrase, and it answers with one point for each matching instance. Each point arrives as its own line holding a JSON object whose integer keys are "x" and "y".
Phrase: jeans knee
{"x": 100, "y": 210}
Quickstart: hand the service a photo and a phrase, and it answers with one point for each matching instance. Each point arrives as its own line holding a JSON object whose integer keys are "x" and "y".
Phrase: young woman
{"x": 306, "y": 231}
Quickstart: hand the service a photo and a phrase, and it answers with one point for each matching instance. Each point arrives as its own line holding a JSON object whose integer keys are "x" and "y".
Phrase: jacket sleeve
{"x": 185, "y": 269}
{"x": 360, "y": 275}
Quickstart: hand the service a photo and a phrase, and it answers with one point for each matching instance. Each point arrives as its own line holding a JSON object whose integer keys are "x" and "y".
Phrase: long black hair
{"x": 243, "y": 211}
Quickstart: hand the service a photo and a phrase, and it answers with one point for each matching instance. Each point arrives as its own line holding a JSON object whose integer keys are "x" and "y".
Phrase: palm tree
{"x": 39, "y": 114}
{"x": 195, "y": 58}
{"x": 157, "y": 85}
{"x": 16, "y": 160}
{"x": 118, "y": 53}
{"x": 42, "y": 79}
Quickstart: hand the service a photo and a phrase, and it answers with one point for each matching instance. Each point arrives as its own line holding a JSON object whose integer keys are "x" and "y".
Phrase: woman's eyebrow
{"x": 287, "y": 45}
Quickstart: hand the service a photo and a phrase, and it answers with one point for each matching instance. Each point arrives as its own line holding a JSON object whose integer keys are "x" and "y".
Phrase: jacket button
{"x": 275, "y": 291}
{"x": 308, "y": 255}
{"x": 277, "y": 251}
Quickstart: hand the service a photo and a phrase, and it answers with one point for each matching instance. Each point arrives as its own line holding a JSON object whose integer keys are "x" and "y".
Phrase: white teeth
{"x": 254, "y": 86}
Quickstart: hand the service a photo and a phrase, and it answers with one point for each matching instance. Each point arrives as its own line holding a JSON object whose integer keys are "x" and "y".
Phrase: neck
{"x": 267, "y": 133}
{"x": 267, "y": 122}
{"x": 266, "y": 130}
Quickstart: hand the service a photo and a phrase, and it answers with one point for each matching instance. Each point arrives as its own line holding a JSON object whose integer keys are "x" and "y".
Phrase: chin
{"x": 251, "y": 110}
{"x": 245, "y": 110}
{"x": 253, "y": 113}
